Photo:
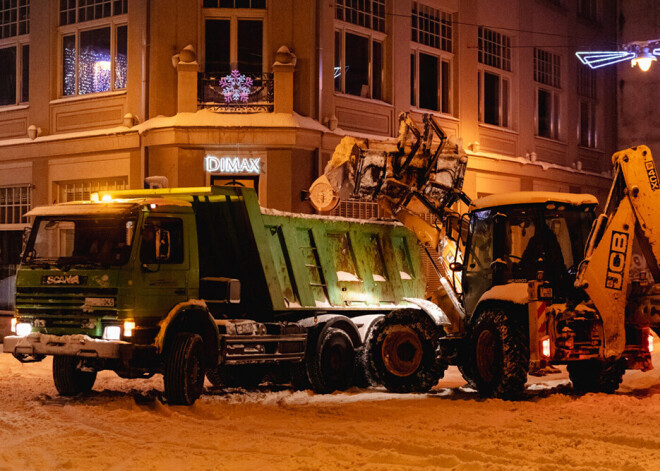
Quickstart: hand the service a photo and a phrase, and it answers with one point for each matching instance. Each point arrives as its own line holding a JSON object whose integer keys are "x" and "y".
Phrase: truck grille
{"x": 62, "y": 300}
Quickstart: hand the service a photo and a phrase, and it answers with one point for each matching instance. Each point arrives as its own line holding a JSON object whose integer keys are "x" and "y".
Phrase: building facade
{"x": 103, "y": 94}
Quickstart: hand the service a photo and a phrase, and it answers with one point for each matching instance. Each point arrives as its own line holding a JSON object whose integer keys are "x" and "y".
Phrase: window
{"x": 366, "y": 13}
{"x": 15, "y": 201}
{"x": 94, "y": 59}
{"x": 587, "y": 107}
{"x": 547, "y": 71}
{"x": 431, "y": 58}
{"x": 82, "y": 189}
{"x": 14, "y": 51}
{"x": 233, "y": 43}
{"x": 494, "y": 78}
{"x": 588, "y": 9}
{"x": 359, "y": 39}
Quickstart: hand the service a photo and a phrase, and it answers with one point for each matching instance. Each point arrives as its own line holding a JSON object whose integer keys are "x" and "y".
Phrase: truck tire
{"x": 69, "y": 379}
{"x": 234, "y": 376}
{"x": 500, "y": 355}
{"x": 364, "y": 377}
{"x": 596, "y": 376}
{"x": 331, "y": 364}
{"x": 402, "y": 352}
{"x": 184, "y": 369}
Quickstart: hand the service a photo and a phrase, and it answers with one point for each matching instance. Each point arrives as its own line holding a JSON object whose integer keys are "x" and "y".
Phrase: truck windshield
{"x": 77, "y": 240}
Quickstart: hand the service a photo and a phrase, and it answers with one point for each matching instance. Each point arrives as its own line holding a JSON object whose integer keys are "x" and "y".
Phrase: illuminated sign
{"x": 232, "y": 164}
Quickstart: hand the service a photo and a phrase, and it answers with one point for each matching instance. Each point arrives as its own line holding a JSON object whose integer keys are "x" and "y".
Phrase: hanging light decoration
{"x": 640, "y": 53}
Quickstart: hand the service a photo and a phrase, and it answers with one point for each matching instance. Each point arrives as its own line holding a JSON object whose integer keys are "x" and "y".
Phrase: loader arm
{"x": 630, "y": 213}
{"x": 420, "y": 174}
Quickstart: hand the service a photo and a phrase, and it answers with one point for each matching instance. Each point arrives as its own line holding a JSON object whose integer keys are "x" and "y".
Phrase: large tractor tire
{"x": 184, "y": 369}
{"x": 596, "y": 376}
{"x": 69, "y": 379}
{"x": 402, "y": 352}
{"x": 331, "y": 365}
{"x": 233, "y": 376}
{"x": 500, "y": 355}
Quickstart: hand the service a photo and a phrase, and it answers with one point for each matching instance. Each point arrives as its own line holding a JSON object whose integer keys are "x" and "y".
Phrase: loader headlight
{"x": 545, "y": 347}
{"x": 112, "y": 332}
{"x": 13, "y": 324}
{"x": 23, "y": 329}
{"x": 128, "y": 328}
{"x": 649, "y": 343}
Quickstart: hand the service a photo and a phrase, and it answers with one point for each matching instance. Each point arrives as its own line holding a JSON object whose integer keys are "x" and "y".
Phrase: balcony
{"x": 232, "y": 92}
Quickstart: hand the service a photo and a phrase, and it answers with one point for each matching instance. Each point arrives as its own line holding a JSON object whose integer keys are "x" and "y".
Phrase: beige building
{"x": 98, "y": 94}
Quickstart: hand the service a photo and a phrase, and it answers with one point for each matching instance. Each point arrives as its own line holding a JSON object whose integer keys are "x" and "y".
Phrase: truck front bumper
{"x": 72, "y": 345}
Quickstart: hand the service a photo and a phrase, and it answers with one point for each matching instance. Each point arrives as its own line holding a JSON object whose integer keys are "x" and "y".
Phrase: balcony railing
{"x": 232, "y": 92}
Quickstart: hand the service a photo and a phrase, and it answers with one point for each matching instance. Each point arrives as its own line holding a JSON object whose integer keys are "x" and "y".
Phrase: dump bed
{"x": 293, "y": 263}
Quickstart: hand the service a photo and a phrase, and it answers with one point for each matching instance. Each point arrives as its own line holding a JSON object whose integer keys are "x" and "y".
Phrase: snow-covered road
{"x": 123, "y": 426}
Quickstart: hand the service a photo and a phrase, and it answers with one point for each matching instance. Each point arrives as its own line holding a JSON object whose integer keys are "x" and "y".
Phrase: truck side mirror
{"x": 162, "y": 245}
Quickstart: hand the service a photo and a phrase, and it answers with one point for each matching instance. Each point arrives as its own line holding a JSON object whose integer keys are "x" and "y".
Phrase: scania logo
{"x": 63, "y": 280}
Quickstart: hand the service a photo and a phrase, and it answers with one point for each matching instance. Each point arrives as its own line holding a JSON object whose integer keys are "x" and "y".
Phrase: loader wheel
{"x": 402, "y": 352}
{"x": 596, "y": 376}
{"x": 500, "y": 352}
{"x": 233, "y": 376}
{"x": 331, "y": 364}
{"x": 184, "y": 369}
{"x": 69, "y": 379}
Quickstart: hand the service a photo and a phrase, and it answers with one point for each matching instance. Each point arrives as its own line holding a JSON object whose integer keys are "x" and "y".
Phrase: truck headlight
{"x": 23, "y": 329}
{"x": 13, "y": 324}
{"x": 128, "y": 328}
{"x": 112, "y": 332}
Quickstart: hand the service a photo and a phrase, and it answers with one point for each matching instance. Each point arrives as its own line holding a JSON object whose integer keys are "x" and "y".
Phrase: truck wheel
{"x": 69, "y": 379}
{"x": 184, "y": 369}
{"x": 234, "y": 376}
{"x": 402, "y": 352}
{"x": 331, "y": 364}
{"x": 596, "y": 376}
{"x": 364, "y": 377}
{"x": 500, "y": 355}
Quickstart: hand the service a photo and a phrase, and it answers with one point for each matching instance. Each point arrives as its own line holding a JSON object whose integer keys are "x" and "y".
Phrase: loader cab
{"x": 514, "y": 238}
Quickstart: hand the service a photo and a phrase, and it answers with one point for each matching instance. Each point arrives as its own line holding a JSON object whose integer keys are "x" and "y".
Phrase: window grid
{"x": 82, "y": 189}
{"x": 258, "y": 4}
{"x": 547, "y": 68}
{"x": 77, "y": 11}
{"x": 494, "y": 49}
{"x": 431, "y": 27}
{"x": 367, "y": 13}
{"x": 14, "y": 18}
{"x": 586, "y": 82}
{"x": 15, "y": 201}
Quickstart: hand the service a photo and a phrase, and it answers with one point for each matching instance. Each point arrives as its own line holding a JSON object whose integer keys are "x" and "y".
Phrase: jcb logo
{"x": 617, "y": 260}
{"x": 653, "y": 175}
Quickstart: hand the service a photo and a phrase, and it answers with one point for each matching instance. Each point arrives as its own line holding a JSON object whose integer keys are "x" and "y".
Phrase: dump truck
{"x": 189, "y": 282}
{"x": 529, "y": 280}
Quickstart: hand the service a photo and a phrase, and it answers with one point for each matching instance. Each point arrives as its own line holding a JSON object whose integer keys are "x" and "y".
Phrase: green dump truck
{"x": 203, "y": 281}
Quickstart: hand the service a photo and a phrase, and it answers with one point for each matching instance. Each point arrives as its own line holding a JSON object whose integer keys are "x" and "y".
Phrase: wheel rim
{"x": 402, "y": 351}
{"x": 486, "y": 355}
{"x": 334, "y": 362}
{"x": 195, "y": 374}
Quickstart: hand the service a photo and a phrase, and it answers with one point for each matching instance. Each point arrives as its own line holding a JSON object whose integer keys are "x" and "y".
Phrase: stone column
{"x": 285, "y": 64}
{"x": 186, "y": 69}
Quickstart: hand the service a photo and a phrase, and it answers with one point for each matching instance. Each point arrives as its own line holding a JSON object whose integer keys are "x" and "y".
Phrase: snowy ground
{"x": 123, "y": 426}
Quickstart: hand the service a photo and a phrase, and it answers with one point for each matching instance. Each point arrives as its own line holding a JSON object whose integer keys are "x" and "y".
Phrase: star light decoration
{"x": 236, "y": 87}
{"x": 640, "y": 53}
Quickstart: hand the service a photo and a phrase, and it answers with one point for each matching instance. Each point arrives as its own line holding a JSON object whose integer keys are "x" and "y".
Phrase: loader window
{"x": 478, "y": 275}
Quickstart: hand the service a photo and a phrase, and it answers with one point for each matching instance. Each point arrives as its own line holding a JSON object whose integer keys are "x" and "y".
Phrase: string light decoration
{"x": 236, "y": 87}
{"x": 94, "y": 71}
{"x": 639, "y": 53}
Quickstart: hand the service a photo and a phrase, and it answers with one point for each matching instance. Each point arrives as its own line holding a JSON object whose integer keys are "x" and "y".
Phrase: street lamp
{"x": 640, "y": 53}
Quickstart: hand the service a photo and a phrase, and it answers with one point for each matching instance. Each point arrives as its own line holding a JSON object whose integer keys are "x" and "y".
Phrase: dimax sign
{"x": 232, "y": 164}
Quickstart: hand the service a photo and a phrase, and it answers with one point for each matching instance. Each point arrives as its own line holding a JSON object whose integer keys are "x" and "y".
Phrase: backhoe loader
{"x": 528, "y": 280}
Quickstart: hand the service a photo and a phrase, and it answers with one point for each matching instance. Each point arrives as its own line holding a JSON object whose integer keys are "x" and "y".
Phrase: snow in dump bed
{"x": 122, "y": 424}
{"x": 320, "y": 217}
{"x": 528, "y": 197}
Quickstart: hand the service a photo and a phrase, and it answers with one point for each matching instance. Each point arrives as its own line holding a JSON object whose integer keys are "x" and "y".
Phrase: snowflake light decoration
{"x": 236, "y": 87}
